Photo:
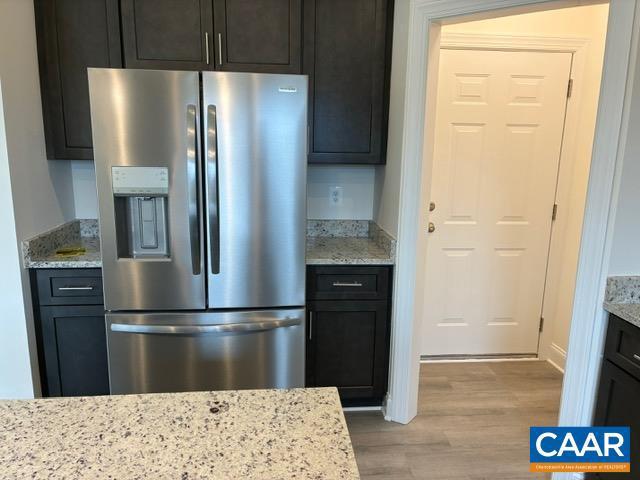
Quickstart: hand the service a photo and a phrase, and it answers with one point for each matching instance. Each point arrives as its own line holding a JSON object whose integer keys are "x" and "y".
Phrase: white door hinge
{"x": 541, "y": 327}
{"x": 554, "y": 213}
{"x": 569, "y": 88}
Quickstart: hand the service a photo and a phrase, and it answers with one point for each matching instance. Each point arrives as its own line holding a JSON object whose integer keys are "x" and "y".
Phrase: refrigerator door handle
{"x": 256, "y": 326}
{"x": 192, "y": 188}
{"x": 212, "y": 179}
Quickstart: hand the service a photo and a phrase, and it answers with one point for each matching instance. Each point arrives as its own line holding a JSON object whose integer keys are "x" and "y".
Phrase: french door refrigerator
{"x": 201, "y": 182}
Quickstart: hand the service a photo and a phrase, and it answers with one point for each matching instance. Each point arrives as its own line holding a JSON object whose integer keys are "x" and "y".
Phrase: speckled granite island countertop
{"x": 329, "y": 242}
{"x": 251, "y": 434}
{"x": 622, "y": 298}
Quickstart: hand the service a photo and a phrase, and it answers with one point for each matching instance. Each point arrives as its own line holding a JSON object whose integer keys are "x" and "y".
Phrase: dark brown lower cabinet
{"x": 348, "y": 349}
{"x": 619, "y": 392}
{"x": 348, "y": 339}
{"x": 74, "y": 348}
{"x": 70, "y": 331}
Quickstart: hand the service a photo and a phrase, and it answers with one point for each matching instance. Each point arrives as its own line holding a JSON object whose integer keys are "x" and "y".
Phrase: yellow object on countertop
{"x": 70, "y": 251}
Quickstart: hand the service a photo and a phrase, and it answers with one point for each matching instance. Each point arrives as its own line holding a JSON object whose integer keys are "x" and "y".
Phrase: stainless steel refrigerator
{"x": 201, "y": 182}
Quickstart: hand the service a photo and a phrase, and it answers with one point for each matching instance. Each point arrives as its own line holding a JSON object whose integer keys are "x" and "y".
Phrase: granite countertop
{"x": 346, "y": 251}
{"x": 40, "y": 251}
{"x": 250, "y": 434}
{"x": 348, "y": 242}
{"x": 339, "y": 242}
{"x": 622, "y": 298}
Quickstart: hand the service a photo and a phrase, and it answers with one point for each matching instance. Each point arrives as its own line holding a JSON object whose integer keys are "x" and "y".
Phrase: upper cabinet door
{"x": 347, "y": 49}
{"x": 167, "y": 34}
{"x": 72, "y": 36}
{"x": 258, "y": 35}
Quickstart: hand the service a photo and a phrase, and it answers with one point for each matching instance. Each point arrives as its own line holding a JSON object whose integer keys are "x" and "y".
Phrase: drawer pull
{"x": 345, "y": 284}
{"x": 74, "y": 288}
{"x": 636, "y": 356}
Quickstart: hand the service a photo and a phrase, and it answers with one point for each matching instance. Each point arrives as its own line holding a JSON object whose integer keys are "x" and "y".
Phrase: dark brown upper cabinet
{"x": 167, "y": 34}
{"x": 258, "y": 35}
{"x": 347, "y": 55}
{"x": 344, "y": 47}
{"x": 72, "y": 36}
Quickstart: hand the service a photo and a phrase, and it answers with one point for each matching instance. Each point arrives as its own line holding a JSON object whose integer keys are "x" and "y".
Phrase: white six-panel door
{"x": 500, "y": 118}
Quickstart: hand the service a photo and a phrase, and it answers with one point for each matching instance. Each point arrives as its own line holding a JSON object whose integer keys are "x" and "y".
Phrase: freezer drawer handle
{"x": 259, "y": 326}
{"x": 75, "y": 288}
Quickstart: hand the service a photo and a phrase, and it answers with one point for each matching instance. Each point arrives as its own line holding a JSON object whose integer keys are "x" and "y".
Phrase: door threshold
{"x": 520, "y": 357}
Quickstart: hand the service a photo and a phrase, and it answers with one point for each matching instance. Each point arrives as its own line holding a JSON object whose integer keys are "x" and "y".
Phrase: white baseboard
{"x": 557, "y": 356}
{"x": 568, "y": 476}
{"x": 471, "y": 360}
{"x": 361, "y": 409}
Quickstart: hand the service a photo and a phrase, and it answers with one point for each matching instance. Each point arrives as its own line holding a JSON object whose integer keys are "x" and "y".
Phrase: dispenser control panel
{"x": 140, "y": 181}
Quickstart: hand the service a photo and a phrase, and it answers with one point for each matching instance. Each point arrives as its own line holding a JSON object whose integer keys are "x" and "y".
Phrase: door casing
{"x": 423, "y": 19}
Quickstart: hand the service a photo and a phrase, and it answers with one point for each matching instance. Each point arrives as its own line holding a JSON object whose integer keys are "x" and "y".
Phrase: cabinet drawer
{"x": 69, "y": 286}
{"x": 623, "y": 345}
{"x": 347, "y": 283}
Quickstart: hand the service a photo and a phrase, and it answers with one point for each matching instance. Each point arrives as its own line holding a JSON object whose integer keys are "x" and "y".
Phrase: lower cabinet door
{"x": 617, "y": 406}
{"x": 73, "y": 351}
{"x": 348, "y": 348}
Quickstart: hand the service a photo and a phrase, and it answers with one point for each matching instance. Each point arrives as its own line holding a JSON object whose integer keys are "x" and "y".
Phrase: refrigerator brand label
{"x": 288, "y": 89}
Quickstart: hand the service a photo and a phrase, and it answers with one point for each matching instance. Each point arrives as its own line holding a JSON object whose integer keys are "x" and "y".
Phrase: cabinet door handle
{"x": 347, "y": 284}
{"x": 310, "y": 325}
{"x": 636, "y": 356}
{"x": 75, "y": 288}
{"x": 219, "y": 49}
{"x": 206, "y": 46}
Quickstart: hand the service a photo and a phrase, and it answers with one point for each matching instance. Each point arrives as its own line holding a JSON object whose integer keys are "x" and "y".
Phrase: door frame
{"x": 579, "y": 48}
{"x": 587, "y": 332}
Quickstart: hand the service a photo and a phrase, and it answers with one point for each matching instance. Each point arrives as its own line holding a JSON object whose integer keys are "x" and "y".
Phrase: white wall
{"x": 41, "y": 190}
{"x": 625, "y": 248}
{"x": 387, "y": 194}
{"x": 15, "y": 364}
{"x": 83, "y": 174}
{"x": 357, "y": 184}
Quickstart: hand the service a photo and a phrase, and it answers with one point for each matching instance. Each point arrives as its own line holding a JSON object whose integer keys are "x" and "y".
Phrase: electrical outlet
{"x": 335, "y": 196}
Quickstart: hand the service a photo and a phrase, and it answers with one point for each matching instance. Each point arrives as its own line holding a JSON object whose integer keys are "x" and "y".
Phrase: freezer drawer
{"x": 174, "y": 352}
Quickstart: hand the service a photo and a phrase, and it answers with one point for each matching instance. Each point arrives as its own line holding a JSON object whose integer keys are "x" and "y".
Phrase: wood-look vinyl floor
{"x": 473, "y": 424}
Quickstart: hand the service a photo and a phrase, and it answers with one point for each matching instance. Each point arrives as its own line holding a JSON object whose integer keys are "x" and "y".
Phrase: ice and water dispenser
{"x": 141, "y": 208}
